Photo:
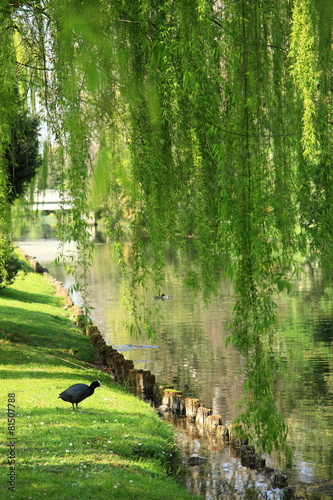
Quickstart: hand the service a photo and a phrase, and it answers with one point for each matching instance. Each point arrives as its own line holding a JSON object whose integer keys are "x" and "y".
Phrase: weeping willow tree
{"x": 202, "y": 118}
{"x": 8, "y": 113}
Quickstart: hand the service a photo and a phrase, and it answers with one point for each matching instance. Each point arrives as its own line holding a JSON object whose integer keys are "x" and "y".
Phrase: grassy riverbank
{"x": 114, "y": 447}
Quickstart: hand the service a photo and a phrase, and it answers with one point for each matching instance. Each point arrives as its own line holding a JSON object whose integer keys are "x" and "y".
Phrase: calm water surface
{"x": 189, "y": 351}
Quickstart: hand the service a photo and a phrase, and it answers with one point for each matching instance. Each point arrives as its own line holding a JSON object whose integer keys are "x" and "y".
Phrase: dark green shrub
{"x": 11, "y": 265}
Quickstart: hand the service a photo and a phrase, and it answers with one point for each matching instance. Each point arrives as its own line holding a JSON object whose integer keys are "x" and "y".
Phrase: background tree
{"x": 22, "y": 155}
{"x": 9, "y": 109}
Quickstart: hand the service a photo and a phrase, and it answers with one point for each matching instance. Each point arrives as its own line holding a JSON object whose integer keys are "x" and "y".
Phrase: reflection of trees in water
{"x": 196, "y": 335}
{"x": 323, "y": 330}
{"x": 47, "y": 231}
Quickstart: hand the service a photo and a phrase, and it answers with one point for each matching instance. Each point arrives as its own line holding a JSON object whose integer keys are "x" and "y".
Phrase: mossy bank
{"x": 115, "y": 446}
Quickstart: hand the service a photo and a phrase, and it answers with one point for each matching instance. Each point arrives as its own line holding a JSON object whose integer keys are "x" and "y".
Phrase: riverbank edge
{"x": 169, "y": 402}
{"x": 74, "y": 312}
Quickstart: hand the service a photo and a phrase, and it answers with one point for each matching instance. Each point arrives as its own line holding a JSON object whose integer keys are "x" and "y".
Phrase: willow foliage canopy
{"x": 198, "y": 118}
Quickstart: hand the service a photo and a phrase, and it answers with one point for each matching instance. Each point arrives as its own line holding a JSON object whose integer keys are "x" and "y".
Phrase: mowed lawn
{"x": 115, "y": 446}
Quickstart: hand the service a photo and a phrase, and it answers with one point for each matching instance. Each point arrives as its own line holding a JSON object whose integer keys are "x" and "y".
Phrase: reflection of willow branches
{"x": 262, "y": 423}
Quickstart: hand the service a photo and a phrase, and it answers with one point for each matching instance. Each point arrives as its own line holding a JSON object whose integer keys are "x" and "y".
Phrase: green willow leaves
{"x": 202, "y": 119}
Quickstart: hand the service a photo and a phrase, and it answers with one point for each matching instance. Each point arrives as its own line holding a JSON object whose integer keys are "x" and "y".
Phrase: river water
{"x": 189, "y": 351}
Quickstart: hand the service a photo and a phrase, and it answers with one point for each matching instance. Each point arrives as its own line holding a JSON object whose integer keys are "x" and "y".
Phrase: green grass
{"x": 115, "y": 446}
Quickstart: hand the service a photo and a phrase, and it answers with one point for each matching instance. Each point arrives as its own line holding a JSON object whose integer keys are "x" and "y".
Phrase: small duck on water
{"x": 163, "y": 297}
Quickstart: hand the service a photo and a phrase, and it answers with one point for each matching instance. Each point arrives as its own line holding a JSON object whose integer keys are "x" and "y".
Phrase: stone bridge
{"x": 50, "y": 200}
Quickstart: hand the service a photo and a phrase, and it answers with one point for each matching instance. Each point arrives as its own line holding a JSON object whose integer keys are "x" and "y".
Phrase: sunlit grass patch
{"x": 31, "y": 314}
{"x": 110, "y": 434}
{"x": 114, "y": 446}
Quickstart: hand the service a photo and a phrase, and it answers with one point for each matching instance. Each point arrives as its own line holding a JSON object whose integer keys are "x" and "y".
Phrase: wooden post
{"x": 132, "y": 380}
{"x": 127, "y": 367}
{"x": 177, "y": 404}
{"x": 202, "y": 415}
{"x": 222, "y": 432}
{"x": 167, "y": 398}
{"x": 148, "y": 383}
{"x": 191, "y": 408}
{"x": 211, "y": 423}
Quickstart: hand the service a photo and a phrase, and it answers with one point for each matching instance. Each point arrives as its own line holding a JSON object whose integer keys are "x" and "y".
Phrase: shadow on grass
{"x": 40, "y": 329}
{"x": 20, "y": 354}
{"x": 62, "y": 409}
{"x": 94, "y": 431}
{"x": 99, "y": 481}
{"x": 5, "y": 374}
{"x": 29, "y": 297}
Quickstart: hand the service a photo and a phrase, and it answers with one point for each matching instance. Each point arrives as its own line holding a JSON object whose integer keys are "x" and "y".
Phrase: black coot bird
{"x": 78, "y": 392}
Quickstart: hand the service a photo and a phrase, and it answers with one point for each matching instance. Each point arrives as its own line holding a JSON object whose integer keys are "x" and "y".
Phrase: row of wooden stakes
{"x": 142, "y": 383}
{"x": 169, "y": 401}
{"x": 139, "y": 382}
